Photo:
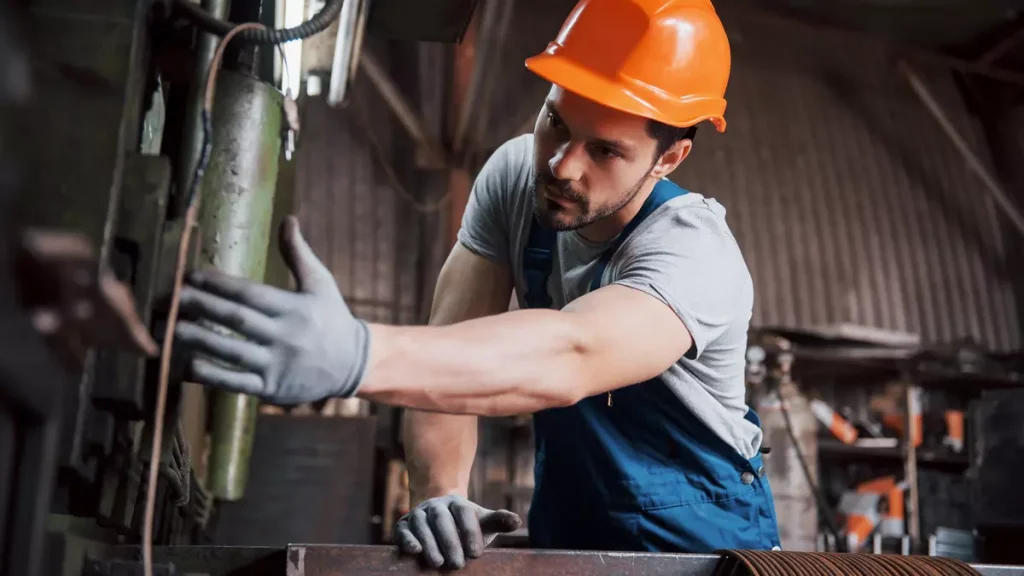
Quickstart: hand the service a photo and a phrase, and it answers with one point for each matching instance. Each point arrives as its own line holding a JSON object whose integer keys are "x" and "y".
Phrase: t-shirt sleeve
{"x": 485, "y": 228}
{"x": 690, "y": 261}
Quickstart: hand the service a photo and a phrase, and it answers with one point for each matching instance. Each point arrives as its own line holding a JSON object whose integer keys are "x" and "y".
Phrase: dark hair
{"x": 668, "y": 135}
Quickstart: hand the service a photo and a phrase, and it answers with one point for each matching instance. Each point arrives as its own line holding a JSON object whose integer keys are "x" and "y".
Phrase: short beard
{"x": 585, "y": 219}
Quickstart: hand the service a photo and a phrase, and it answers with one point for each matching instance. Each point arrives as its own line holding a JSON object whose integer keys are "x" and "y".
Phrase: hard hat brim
{"x": 626, "y": 95}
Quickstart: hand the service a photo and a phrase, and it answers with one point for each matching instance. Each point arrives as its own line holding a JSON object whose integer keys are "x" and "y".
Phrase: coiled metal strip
{"x": 762, "y": 563}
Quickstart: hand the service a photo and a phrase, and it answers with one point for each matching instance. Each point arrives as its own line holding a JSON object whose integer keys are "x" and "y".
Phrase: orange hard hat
{"x": 667, "y": 60}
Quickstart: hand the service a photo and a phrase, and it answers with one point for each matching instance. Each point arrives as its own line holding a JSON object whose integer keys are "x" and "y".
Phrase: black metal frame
{"x": 31, "y": 390}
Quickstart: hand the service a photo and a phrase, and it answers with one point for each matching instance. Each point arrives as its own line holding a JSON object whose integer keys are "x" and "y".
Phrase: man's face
{"x": 590, "y": 160}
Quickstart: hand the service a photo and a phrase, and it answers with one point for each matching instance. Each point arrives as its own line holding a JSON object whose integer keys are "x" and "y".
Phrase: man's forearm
{"x": 439, "y": 453}
{"x": 440, "y": 448}
{"x": 513, "y": 363}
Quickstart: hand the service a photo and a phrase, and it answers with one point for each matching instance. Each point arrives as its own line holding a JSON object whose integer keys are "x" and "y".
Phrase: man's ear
{"x": 672, "y": 158}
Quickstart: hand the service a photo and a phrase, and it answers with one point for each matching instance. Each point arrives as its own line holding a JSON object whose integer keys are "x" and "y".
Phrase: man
{"x": 630, "y": 345}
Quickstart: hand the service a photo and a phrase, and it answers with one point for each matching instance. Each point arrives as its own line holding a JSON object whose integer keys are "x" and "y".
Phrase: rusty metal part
{"x": 379, "y": 560}
{"x": 760, "y": 563}
{"x": 75, "y": 302}
{"x": 323, "y": 560}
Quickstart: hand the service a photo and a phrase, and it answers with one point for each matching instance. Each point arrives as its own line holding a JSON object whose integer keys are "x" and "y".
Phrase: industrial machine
{"x": 118, "y": 116}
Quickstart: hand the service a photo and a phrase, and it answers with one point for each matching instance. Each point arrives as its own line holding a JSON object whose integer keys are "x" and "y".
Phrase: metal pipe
{"x": 991, "y": 183}
{"x": 913, "y": 407}
{"x": 192, "y": 137}
{"x": 345, "y": 52}
{"x": 235, "y": 221}
{"x": 483, "y": 24}
{"x": 194, "y": 396}
{"x": 485, "y": 65}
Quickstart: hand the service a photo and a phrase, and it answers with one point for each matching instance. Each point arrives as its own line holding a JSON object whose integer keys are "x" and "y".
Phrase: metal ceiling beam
{"x": 493, "y": 27}
{"x": 402, "y": 109}
{"x": 991, "y": 182}
{"x": 968, "y": 67}
{"x": 977, "y": 68}
{"x": 1003, "y": 46}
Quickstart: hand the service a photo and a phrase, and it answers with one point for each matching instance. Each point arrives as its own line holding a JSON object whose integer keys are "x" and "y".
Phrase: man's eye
{"x": 609, "y": 152}
{"x": 554, "y": 120}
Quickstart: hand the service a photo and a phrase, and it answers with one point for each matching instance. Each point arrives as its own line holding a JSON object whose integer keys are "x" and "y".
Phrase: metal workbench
{"x": 323, "y": 560}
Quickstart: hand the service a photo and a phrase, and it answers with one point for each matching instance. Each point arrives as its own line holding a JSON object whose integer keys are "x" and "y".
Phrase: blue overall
{"x": 643, "y": 474}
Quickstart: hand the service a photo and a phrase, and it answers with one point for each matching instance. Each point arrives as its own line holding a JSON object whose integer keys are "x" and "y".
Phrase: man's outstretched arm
{"x": 527, "y": 360}
{"x": 304, "y": 346}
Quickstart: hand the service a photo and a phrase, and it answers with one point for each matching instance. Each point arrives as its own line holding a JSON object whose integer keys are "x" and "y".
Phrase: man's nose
{"x": 566, "y": 164}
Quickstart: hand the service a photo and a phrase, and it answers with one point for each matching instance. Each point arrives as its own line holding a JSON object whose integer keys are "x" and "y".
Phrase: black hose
{"x": 318, "y": 23}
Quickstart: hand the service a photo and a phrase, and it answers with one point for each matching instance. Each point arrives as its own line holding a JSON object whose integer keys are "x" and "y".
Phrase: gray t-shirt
{"x": 683, "y": 254}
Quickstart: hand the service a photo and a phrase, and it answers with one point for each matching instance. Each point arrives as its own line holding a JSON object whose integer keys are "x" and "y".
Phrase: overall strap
{"x": 537, "y": 257}
{"x": 664, "y": 191}
{"x": 541, "y": 243}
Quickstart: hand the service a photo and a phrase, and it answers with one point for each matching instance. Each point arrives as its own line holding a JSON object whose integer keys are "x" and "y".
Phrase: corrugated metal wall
{"x": 350, "y": 213}
{"x": 850, "y": 204}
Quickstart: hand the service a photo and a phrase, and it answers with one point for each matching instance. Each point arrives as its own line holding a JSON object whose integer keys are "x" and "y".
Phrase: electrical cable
{"x": 318, "y": 23}
{"x": 823, "y": 506}
{"x": 167, "y": 348}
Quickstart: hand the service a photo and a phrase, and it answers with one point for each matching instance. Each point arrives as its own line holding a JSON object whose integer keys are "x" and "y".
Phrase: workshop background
{"x": 873, "y": 173}
{"x": 870, "y": 236}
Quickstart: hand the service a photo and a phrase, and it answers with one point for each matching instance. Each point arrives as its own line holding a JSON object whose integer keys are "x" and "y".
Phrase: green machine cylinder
{"x": 235, "y": 229}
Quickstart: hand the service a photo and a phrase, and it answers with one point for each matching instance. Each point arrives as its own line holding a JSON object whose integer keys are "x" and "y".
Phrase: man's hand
{"x": 447, "y": 529}
{"x": 300, "y": 346}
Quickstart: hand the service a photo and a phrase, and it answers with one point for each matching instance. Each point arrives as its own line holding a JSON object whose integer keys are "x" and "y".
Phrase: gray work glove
{"x": 447, "y": 529}
{"x": 299, "y": 346}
